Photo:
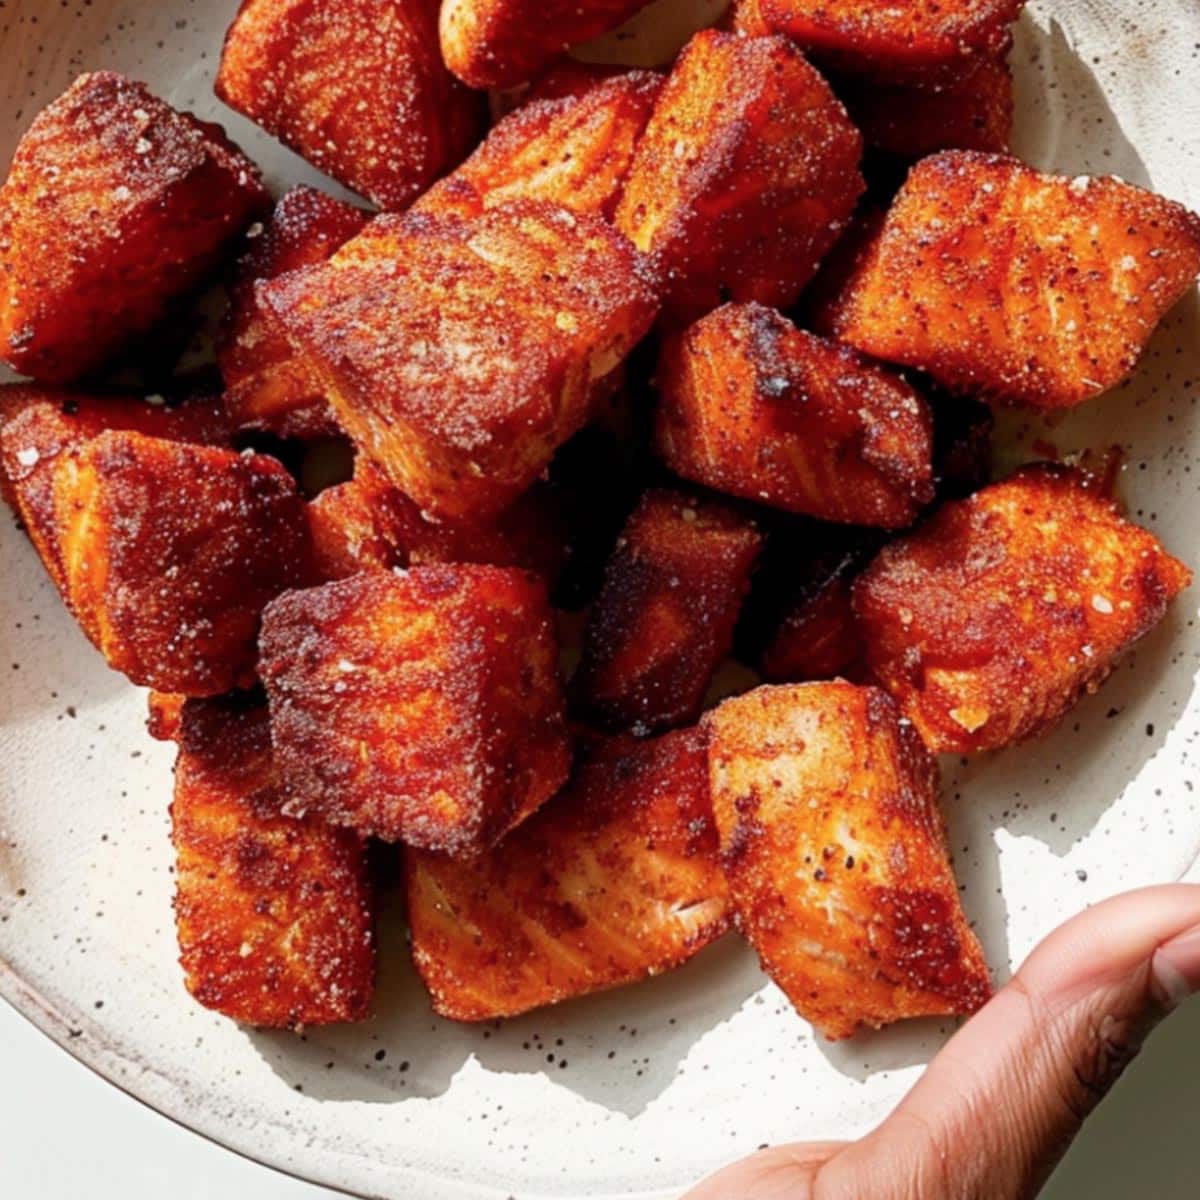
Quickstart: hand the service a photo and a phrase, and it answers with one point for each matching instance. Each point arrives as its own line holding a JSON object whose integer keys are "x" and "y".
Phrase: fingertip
{"x": 1109, "y": 940}
{"x": 774, "y": 1173}
{"x": 1175, "y": 969}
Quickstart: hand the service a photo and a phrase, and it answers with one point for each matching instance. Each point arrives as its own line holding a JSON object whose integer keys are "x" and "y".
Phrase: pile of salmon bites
{"x": 663, "y": 372}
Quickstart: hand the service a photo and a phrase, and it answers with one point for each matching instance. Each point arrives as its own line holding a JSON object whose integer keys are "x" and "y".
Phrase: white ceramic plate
{"x": 639, "y": 1092}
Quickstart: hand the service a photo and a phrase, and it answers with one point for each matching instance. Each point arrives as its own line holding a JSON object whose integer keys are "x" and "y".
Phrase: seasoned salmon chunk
{"x": 747, "y": 172}
{"x": 615, "y": 880}
{"x": 753, "y": 406}
{"x": 665, "y": 615}
{"x": 421, "y": 706}
{"x": 273, "y": 913}
{"x": 267, "y": 386}
{"x": 1026, "y": 288}
{"x": 499, "y": 43}
{"x": 366, "y": 524}
{"x": 169, "y": 551}
{"x": 799, "y": 623}
{"x": 114, "y": 207}
{"x": 989, "y": 621}
{"x": 971, "y": 113}
{"x": 460, "y": 353}
{"x": 919, "y": 41}
{"x": 575, "y": 150}
{"x": 357, "y": 87}
{"x": 38, "y": 425}
{"x": 836, "y": 856}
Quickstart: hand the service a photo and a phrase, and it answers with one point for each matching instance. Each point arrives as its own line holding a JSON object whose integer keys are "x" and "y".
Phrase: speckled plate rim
{"x": 95, "y": 1053}
{"x": 158, "y": 1093}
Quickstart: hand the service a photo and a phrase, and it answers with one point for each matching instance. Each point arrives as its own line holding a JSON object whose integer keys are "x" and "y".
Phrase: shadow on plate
{"x": 620, "y": 1049}
{"x": 49, "y": 664}
{"x": 1063, "y": 120}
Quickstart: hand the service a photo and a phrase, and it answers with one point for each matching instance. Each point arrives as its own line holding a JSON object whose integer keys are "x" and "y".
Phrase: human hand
{"x": 1000, "y": 1104}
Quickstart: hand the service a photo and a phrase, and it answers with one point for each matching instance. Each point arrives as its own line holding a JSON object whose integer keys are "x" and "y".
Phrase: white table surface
{"x": 64, "y": 1133}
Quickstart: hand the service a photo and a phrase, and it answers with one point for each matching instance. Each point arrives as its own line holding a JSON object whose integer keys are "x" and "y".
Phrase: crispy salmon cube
{"x": 1023, "y": 287}
{"x": 971, "y": 113}
{"x": 753, "y": 406}
{"x": 169, "y": 551}
{"x": 267, "y": 386}
{"x": 460, "y": 353}
{"x": 360, "y": 525}
{"x": 164, "y": 715}
{"x": 664, "y": 618}
{"x": 798, "y": 623}
{"x": 357, "y": 87}
{"x": 812, "y": 632}
{"x": 923, "y": 42}
{"x": 273, "y": 913}
{"x": 500, "y": 43}
{"x": 115, "y": 206}
{"x": 615, "y": 880}
{"x": 422, "y": 707}
{"x": 366, "y": 524}
{"x": 746, "y": 174}
{"x": 836, "y": 856}
{"x": 574, "y": 150}
{"x": 819, "y": 637}
{"x": 990, "y": 620}
{"x": 38, "y": 425}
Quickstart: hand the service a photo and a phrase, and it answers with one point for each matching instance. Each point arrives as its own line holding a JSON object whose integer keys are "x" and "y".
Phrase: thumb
{"x": 1000, "y": 1104}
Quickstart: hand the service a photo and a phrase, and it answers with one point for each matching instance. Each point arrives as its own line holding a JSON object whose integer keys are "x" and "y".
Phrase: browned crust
{"x": 991, "y": 619}
{"x": 422, "y": 707}
{"x": 356, "y": 87}
{"x": 460, "y": 353}
{"x": 38, "y": 425}
{"x": 115, "y": 205}
{"x": 1024, "y": 287}
{"x": 267, "y": 386}
{"x": 836, "y": 856}
{"x": 572, "y": 148}
{"x": 746, "y": 174}
{"x": 664, "y": 618}
{"x": 615, "y": 880}
{"x": 169, "y": 552}
{"x": 920, "y": 41}
{"x": 499, "y": 43}
{"x": 367, "y": 524}
{"x": 274, "y": 913}
{"x": 753, "y": 406}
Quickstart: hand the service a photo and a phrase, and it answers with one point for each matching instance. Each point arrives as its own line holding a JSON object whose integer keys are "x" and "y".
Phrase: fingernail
{"x": 1175, "y": 969}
